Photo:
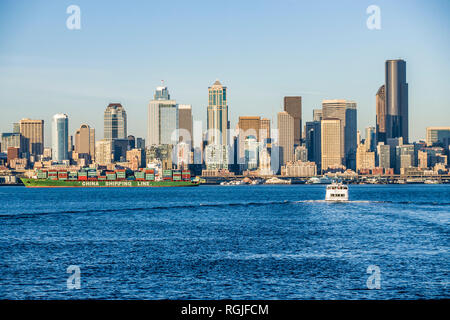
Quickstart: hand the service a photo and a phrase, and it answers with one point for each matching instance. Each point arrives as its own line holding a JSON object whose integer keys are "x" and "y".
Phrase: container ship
{"x": 117, "y": 178}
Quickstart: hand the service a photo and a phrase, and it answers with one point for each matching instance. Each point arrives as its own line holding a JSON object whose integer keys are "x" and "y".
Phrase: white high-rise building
{"x": 60, "y": 137}
{"x": 162, "y": 119}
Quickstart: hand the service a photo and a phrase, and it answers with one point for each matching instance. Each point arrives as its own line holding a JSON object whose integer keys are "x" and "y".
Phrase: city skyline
{"x": 79, "y": 81}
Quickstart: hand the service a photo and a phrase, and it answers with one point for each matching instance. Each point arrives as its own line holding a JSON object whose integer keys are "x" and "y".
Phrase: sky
{"x": 261, "y": 50}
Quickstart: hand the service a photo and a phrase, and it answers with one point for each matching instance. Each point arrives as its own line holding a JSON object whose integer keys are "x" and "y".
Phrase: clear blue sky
{"x": 261, "y": 50}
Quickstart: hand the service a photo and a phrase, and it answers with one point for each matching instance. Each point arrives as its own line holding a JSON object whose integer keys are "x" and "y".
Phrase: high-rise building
{"x": 264, "y": 131}
{"x": 370, "y": 138}
{"x": 140, "y": 143}
{"x": 365, "y": 159}
{"x": 131, "y": 142}
{"x": 301, "y": 154}
{"x": 185, "y": 123}
{"x": 293, "y": 106}
{"x": 286, "y": 137}
{"x": 405, "y": 157}
{"x": 317, "y": 115}
{"x": 13, "y": 140}
{"x": 396, "y": 99}
{"x": 437, "y": 135}
{"x": 115, "y": 122}
{"x": 33, "y": 132}
{"x": 383, "y": 159}
{"x": 313, "y": 142}
{"x": 345, "y": 111}
{"x": 104, "y": 152}
{"x": 380, "y": 101}
{"x": 85, "y": 141}
{"x": 217, "y": 114}
{"x": 331, "y": 142}
{"x": 60, "y": 137}
{"x": 16, "y": 127}
{"x": 162, "y": 119}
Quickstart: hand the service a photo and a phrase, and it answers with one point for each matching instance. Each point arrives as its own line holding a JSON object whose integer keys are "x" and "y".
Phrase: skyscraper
{"x": 264, "y": 130}
{"x": 380, "y": 101}
{"x": 345, "y": 111}
{"x": 437, "y": 135}
{"x": 396, "y": 100}
{"x": 286, "y": 137}
{"x": 115, "y": 122}
{"x": 185, "y": 123}
{"x": 217, "y": 114}
{"x": 317, "y": 114}
{"x": 162, "y": 119}
{"x": 331, "y": 143}
{"x": 60, "y": 137}
{"x": 33, "y": 132}
{"x": 293, "y": 106}
{"x": 85, "y": 141}
{"x": 370, "y": 138}
{"x": 313, "y": 142}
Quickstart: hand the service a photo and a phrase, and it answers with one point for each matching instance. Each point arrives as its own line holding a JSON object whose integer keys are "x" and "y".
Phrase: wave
{"x": 214, "y": 205}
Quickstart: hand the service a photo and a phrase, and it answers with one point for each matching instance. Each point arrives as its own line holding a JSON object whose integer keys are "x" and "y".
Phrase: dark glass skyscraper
{"x": 293, "y": 106}
{"x": 396, "y": 100}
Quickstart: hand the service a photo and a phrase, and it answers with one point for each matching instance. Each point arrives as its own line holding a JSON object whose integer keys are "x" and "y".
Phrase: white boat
{"x": 337, "y": 192}
{"x": 430, "y": 181}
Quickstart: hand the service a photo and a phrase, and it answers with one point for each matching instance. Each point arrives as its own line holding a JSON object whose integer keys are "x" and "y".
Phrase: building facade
{"x": 115, "y": 122}
{"x": 331, "y": 142}
{"x": 217, "y": 114}
{"x": 60, "y": 137}
{"x": 286, "y": 137}
{"x": 396, "y": 100}
{"x": 33, "y": 132}
{"x": 293, "y": 106}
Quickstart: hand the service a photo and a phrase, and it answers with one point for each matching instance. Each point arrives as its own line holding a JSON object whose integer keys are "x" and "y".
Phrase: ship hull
{"x": 45, "y": 183}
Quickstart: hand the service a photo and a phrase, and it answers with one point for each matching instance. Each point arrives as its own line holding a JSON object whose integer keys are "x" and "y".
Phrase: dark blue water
{"x": 217, "y": 242}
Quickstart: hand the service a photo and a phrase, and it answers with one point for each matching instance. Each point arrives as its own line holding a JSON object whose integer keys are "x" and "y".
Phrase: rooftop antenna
{"x": 162, "y": 83}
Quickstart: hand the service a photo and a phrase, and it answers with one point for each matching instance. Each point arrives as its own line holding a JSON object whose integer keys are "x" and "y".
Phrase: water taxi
{"x": 337, "y": 192}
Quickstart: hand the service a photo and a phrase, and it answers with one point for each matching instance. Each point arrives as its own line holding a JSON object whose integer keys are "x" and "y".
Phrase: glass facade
{"x": 60, "y": 137}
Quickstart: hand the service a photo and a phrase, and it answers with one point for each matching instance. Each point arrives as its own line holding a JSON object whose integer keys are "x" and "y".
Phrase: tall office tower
{"x": 16, "y": 127}
{"x": 33, "y": 132}
{"x": 345, "y": 111}
{"x": 104, "y": 152}
{"x": 317, "y": 115}
{"x": 217, "y": 114}
{"x": 365, "y": 159}
{"x": 380, "y": 101}
{"x": 313, "y": 142}
{"x": 396, "y": 99}
{"x": 249, "y": 127}
{"x": 404, "y": 157}
{"x": 162, "y": 119}
{"x": 286, "y": 126}
{"x": 13, "y": 140}
{"x": 293, "y": 106}
{"x": 60, "y": 137}
{"x": 115, "y": 122}
{"x": 383, "y": 159}
{"x": 85, "y": 141}
{"x": 185, "y": 123}
{"x": 437, "y": 135}
{"x": 370, "y": 138}
{"x": 264, "y": 130}
{"x": 331, "y": 142}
